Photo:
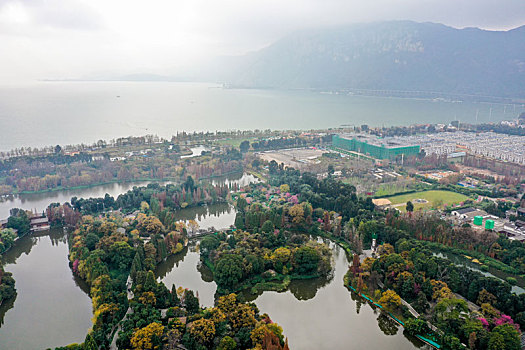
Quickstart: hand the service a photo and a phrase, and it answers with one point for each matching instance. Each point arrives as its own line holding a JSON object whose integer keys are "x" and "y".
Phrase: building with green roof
{"x": 374, "y": 146}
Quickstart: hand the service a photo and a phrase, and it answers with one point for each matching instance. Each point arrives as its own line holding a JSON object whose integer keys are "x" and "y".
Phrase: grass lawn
{"x": 435, "y": 199}
{"x": 234, "y": 142}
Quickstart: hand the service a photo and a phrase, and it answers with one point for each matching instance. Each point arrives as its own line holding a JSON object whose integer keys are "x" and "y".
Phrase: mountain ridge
{"x": 394, "y": 55}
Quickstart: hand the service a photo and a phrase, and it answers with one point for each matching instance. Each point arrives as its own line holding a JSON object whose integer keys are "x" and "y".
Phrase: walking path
{"x": 113, "y": 345}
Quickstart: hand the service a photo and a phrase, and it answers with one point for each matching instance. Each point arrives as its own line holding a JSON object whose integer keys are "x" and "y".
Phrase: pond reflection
{"x": 317, "y": 313}
{"x": 52, "y": 307}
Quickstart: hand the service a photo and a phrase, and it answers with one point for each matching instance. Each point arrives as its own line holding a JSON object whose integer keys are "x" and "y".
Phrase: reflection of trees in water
{"x": 307, "y": 289}
{"x": 241, "y": 179}
{"x": 202, "y": 212}
{"x": 387, "y": 325}
{"x": 24, "y": 246}
{"x": 171, "y": 261}
{"x": 21, "y": 246}
{"x": 206, "y": 274}
{"x": 57, "y": 236}
{"x": 6, "y": 306}
{"x": 359, "y": 301}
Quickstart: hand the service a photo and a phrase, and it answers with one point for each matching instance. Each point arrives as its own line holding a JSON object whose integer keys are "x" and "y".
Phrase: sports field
{"x": 427, "y": 199}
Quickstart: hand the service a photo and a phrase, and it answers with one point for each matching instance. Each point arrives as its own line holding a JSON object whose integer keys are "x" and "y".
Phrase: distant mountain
{"x": 398, "y": 55}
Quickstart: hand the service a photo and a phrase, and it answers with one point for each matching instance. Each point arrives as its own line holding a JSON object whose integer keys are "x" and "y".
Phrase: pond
{"x": 318, "y": 313}
{"x": 196, "y": 151}
{"x": 40, "y": 201}
{"x": 52, "y": 307}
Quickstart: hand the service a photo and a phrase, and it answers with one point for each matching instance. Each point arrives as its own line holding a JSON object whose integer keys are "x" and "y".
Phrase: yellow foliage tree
{"x": 149, "y": 225}
{"x": 243, "y": 316}
{"x": 203, "y": 330}
{"x": 284, "y": 188}
{"x": 390, "y": 300}
{"x": 147, "y": 338}
{"x": 385, "y": 249}
{"x": 148, "y": 298}
{"x": 281, "y": 254}
{"x": 297, "y": 213}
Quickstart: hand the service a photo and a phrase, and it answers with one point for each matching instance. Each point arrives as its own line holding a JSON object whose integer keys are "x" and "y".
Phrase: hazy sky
{"x": 72, "y": 38}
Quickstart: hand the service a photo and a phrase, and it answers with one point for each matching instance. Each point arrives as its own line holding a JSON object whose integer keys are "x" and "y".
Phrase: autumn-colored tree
{"x": 485, "y": 297}
{"x": 282, "y": 255}
{"x": 297, "y": 214}
{"x": 390, "y": 300}
{"x": 385, "y": 249}
{"x": 356, "y": 264}
{"x": 443, "y": 293}
{"x": 227, "y": 304}
{"x": 203, "y": 331}
{"x": 148, "y": 298}
{"x": 284, "y": 188}
{"x": 489, "y": 311}
{"x": 242, "y": 316}
{"x": 148, "y": 338}
{"x": 149, "y": 225}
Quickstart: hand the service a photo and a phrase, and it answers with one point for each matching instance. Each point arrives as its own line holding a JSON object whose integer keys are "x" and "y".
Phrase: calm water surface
{"x": 50, "y": 113}
{"x": 315, "y": 314}
{"x": 52, "y": 307}
{"x": 40, "y": 201}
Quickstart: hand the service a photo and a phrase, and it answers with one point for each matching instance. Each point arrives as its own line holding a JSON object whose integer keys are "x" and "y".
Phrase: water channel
{"x": 315, "y": 314}
{"x": 53, "y": 308}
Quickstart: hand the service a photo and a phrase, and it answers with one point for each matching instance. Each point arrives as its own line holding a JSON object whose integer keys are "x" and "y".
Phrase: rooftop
{"x": 387, "y": 142}
{"x": 465, "y": 210}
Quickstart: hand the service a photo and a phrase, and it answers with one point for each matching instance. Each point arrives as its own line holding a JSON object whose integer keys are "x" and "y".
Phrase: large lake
{"x": 49, "y": 113}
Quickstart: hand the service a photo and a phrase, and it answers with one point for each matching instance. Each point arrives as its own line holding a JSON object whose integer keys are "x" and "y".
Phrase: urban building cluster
{"x": 480, "y": 219}
{"x": 510, "y": 148}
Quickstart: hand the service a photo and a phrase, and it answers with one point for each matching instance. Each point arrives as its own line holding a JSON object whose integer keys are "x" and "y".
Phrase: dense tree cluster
{"x": 7, "y": 239}
{"x": 497, "y": 251}
{"x": 161, "y": 199}
{"x": 437, "y": 289}
{"x": 269, "y": 244}
{"x": 167, "y": 319}
{"x": 104, "y": 252}
{"x": 40, "y": 173}
{"x": 7, "y": 285}
{"x": 19, "y": 220}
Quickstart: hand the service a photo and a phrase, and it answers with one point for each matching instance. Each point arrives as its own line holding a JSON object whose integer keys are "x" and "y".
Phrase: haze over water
{"x": 49, "y": 113}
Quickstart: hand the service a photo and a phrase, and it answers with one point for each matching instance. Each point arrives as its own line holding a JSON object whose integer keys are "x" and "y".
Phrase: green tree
{"x": 208, "y": 244}
{"x": 191, "y": 302}
{"x": 244, "y": 146}
{"x": 229, "y": 270}
{"x": 90, "y": 343}
{"x": 416, "y": 326}
{"x": 19, "y": 221}
{"x": 305, "y": 260}
{"x": 227, "y": 343}
{"x": 510, "y": 335}
{"x": 496, "y": 342}
{"x": 268, "y": 227}
{"x": 410, "y": 206}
